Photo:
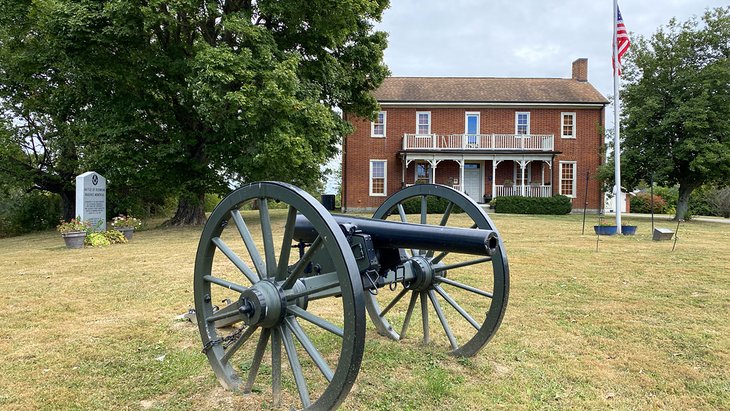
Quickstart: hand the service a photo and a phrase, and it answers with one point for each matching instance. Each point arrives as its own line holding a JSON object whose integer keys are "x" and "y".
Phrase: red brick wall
{"x": 359, "y": 148}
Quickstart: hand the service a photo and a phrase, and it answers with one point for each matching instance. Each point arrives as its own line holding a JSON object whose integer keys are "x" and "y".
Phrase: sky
{"x": 518, "y": 38}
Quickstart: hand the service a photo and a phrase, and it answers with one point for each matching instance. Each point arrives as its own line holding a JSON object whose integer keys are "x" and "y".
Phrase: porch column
{"x": 494, "y": 176}
{"x": 461, "y": 174}
{"x": 523, "y": 165}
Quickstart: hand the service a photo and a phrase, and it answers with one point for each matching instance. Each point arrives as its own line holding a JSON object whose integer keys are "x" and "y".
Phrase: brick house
{"x": 487, "y": 137}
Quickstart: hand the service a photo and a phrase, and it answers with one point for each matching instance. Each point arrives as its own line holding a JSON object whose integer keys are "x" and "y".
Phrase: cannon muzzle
{"x": 394, "y": 235}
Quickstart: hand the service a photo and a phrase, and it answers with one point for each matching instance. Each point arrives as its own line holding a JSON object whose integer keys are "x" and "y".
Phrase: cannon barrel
{"x": 392, "y": 234}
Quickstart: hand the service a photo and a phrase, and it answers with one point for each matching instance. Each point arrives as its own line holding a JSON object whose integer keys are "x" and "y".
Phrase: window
{"x": 567, "y": 125}
{"x": 522, "y": 123}
{"x": 423, "y": 173}
{"x": 423, "y": 122}
{"x": 567, "y": 178}
{"x": 377, "y": 127}
{"x": 378, "y": 172}
{"x": 472, "y": 129}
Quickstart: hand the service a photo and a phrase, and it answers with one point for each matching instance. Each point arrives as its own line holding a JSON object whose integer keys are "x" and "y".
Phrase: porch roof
{"x": 465, "y": 90}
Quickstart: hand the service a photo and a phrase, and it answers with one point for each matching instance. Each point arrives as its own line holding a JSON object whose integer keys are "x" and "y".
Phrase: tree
{"x": 202, "y": 94}
{"x": 676, "y": 116}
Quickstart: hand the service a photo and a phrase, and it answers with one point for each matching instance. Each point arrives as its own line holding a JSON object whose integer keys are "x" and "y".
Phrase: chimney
{"x": 580, "y": 69}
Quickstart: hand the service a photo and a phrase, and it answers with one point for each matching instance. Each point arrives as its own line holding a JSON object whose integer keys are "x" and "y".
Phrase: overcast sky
{"x": 518, "y": 38}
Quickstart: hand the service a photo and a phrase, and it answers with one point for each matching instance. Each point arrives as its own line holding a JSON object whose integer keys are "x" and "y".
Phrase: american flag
{"x": 622, "y": 39}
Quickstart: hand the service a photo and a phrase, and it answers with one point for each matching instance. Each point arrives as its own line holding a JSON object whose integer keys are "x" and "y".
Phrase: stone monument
{"x": 91, "y": 199}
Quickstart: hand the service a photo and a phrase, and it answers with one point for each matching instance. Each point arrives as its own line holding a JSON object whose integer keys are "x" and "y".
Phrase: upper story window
{"x": 378, "y": 182}
{"x": 377, "y": 127}
{"x": 567, "y": 125}
{"x": 423, "y": 122}
{"x": 522, "y": 123}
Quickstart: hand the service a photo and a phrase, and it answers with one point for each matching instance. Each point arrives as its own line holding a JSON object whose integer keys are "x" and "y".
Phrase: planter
{"x": 127, "y": 231}
{"x": 605, "y": 229}
{"x": 74, "y": 239}
{"x": 628, "y": 229}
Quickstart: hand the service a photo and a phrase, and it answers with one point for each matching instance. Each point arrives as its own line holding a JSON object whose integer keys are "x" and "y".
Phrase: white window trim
{"x": 562, "y": 124}
{"x": 517, "y": 115}
{"x": 385, "y": 125}
{"x": 385, "y": 179}
{"x": 479, "y": 126}
{"x": 418, "y": 113}
{"x": 560, "y": 177}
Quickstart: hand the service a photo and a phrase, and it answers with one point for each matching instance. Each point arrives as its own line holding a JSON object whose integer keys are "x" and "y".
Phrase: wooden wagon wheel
{"x": 463, "y": 288}
{"x": 248, "y": 258}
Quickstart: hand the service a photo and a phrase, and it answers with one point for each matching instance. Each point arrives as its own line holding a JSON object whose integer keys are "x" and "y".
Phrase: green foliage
{"x": 676, "y": 119}
{"x": 641, "y": 203}
{"x": 181, "y": 98}
{"x": 74, "y": 224}
{"x": 125, "y": 221}
{"x": 115, "y": 237}
{"x": 555, "y": 205}
{"x": 435, "y": 205}
{"x": 720, "y": 200}
{"x": 25, "y": 212}
{"x": 211, "y": 200}
{"x": 95, "y": 239}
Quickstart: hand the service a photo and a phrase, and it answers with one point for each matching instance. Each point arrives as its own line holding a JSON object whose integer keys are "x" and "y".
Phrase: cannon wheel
{"x": 448, "y": 282}
{"x": 238, "y": 256}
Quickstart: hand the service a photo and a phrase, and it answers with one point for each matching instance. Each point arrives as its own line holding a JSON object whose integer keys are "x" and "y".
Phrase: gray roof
{"x": 487, "y": 90}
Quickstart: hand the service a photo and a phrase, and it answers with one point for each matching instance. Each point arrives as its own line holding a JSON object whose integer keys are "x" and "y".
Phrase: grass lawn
{"x": 630, "y": 326}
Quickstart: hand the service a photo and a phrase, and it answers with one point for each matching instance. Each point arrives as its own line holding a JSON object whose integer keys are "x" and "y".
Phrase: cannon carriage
{"x": 301, "y": 280}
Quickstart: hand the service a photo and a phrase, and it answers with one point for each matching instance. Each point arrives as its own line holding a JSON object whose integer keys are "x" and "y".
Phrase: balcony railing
{"x": 531, "y": 142}
{"x": 529, "y": 191}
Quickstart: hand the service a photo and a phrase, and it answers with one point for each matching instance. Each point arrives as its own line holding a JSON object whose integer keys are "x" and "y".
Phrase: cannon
{"x": 300, "y": 281}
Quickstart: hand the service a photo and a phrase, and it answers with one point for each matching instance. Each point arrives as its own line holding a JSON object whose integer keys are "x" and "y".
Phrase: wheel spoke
{"x": 276, "y": 366}
{"x": 424, "y": 209}
{"x": 463, "y": 264}
{"x": 268, "y": 238}
{"x": 409, "y": 312}
{"x": 457, "y": 307}
{"x": 310, "y": 348}
{"x": 222, "y": 315}
{"x": 394, "y": 302}
{"x": 444, "y": 220}
{"x": 286, "y": 244}
{"x": 223, "y": 283}
{"x": 424, "y": 317}
{"x": 317, "y": 244}
{"x": 238, "y": 344}
{"x": 257, "y": 357}
{"x": 442, "y": 319}
{"x": 309, "y": 291}
{"x": 402, "y": 213}
{"x": 463, "y": 286}
{"x": 439, "y": 257}
{"x": 236, "y": 260}
{"x": 319, "y": 322}
{"x": 296, "y": 366}
{"x": 258, "y": 262}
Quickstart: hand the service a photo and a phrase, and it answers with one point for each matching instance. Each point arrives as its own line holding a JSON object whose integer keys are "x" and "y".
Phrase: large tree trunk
{"x": 685, "y": 190}
{"x": 190, "y": 210}
{"x": 68, "y": 204}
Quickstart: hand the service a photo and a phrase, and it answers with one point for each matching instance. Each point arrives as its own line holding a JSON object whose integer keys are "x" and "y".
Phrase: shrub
{"x": 115, "y": 237}
{"x": 720, "y": 200}
{"x": 96, "y": 240}
{"x": 435, "y": 205}
{"x": 22, "y": 212}
{"x": 211, "y": 200}
{"x": 641, "y": 203}
{"x": 555, "y": 205}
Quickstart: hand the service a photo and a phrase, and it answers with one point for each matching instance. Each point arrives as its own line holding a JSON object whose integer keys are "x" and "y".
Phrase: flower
{"x": 125, "y": 221}
{"x": 74, "y": 224}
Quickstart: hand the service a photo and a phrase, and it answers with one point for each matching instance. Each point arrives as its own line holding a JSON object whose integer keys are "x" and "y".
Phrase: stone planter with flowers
{"x": 126, "y": 224}
{"x": 74, "y": 232}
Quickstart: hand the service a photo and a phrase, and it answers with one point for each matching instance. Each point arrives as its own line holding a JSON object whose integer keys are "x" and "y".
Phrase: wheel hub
{"x": 263, "y": 304}
{"x": 423, "y": 274}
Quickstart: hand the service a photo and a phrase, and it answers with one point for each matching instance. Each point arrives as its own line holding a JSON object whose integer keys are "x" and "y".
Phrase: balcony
{"x": 476, "y": 142}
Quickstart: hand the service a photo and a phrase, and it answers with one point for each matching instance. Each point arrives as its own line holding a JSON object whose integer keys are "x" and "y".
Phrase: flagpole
{"x": 616, "y": 101}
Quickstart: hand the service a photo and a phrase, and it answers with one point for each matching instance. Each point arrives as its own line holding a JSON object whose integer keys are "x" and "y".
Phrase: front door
{"x": 473, "y": 181}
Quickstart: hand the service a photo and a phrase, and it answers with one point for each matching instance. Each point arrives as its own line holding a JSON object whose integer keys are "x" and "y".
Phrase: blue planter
{"x": 605, "y": 229}
{"x": 628, "y": 229}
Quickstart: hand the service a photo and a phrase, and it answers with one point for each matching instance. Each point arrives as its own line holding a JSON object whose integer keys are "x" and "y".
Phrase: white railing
{"x": 532, "y": 142}
{"x": 529, "y": 191}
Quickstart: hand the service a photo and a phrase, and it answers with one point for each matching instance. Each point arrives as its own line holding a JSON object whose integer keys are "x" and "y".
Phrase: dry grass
{"x": 632, "y": 326}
